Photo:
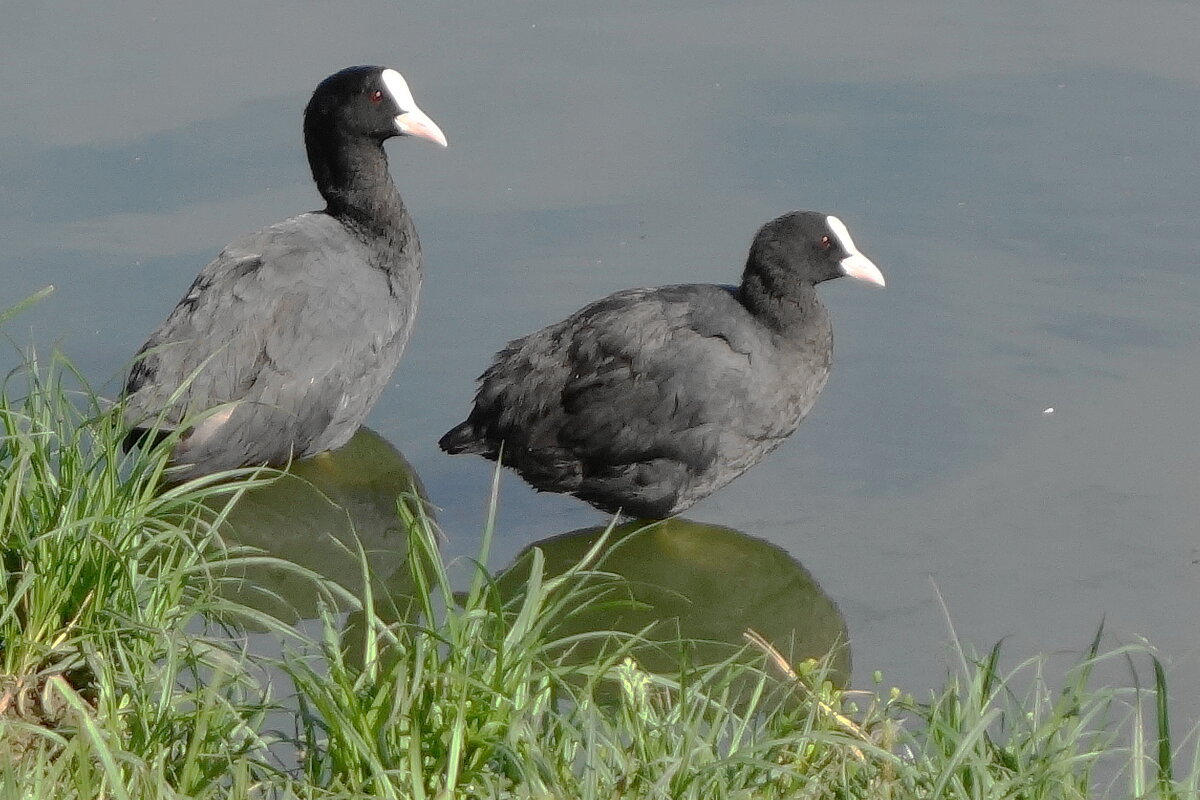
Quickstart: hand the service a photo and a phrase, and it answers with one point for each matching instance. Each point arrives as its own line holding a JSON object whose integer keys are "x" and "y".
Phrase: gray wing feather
{"x": 639, "y": 375}
{"x": 266, "y": 326}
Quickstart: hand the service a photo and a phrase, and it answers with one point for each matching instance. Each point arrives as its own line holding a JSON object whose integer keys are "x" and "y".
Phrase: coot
{"x": 291, "y": 333}
{"x": 651, "y": 399}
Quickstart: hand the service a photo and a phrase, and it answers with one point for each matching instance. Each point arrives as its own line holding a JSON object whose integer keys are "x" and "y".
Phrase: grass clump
{"x": 105, "y": 682}
{"x": 473, "y": 698}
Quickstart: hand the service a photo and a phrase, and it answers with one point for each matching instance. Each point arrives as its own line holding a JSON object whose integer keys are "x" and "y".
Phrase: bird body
{"x": 296, "y": 389}
{"x": 285, "y": 341}
{"x": 650, "y": 399}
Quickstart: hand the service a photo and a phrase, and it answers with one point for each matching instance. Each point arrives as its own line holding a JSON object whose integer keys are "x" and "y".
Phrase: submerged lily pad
{"x": 704, "y": 583}
{"x": 316, "y": 515}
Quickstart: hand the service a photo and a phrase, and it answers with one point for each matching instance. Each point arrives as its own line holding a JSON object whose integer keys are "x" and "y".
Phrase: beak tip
{"x": 863, "y": 269}
{"x": 415, "y": 123}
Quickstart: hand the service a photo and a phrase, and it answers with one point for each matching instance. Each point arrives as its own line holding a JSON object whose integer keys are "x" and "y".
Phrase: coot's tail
{"x": 463, "y": 438}
{"x": 144, "y": 438}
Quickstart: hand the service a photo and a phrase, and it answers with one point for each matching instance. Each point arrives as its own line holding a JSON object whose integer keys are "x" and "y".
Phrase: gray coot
{"x": 651, "y": 399}
{"x": 291, "y": 333}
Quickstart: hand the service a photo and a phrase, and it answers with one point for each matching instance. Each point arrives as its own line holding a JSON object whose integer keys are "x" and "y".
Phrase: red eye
{"x": 826, "y": 242}
{"x": 377, "y": 96}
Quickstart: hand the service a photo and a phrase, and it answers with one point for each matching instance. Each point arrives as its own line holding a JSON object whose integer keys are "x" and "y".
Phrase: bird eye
{"x": 377, "y": 96}
{"x": 826, "y": 242}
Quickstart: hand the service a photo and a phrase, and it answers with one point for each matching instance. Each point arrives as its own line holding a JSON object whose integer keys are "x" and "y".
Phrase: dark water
{"x": 1024, "y": 173}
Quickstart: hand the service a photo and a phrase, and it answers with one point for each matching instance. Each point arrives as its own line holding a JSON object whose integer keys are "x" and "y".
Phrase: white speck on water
{"x": 1049, "y": 410}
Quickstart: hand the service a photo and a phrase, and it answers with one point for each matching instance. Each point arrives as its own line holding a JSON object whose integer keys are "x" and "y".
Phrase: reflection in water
{"x": 315, "y": 515}
{"x": 697, "y": 582}
{"x": 703, "y": 583}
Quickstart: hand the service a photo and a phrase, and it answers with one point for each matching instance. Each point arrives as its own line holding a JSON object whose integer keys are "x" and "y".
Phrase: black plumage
{"x": 650, "y": 399}
{"x": 285, "y": 341}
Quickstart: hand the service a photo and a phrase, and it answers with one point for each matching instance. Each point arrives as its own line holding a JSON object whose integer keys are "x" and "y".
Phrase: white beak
{"x": 855, "y": 265}
{"x": 861, "y": 268}
{"x": 415, "y": 123}
{"x": 412, "y": 122}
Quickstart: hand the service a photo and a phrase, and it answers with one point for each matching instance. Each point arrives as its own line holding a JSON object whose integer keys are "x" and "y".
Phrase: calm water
{"x": 1024, "y": 173}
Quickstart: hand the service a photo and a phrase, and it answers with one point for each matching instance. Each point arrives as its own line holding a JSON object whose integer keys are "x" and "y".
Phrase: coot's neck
{"x": 352, "y": 175}
{"x": 790, "y": 309}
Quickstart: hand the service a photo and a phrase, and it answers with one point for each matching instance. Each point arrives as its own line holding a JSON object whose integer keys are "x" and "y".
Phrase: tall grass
{"x": 105, "y": 577}
{"x": 473, "y": 699}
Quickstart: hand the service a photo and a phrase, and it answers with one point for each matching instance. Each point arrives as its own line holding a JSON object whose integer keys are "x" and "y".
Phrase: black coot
{"x": 651, "y": 399}
{"x": 293, "y": 331}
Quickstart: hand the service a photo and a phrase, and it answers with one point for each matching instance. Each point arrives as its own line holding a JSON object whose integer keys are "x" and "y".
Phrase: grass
{"x": 123, "y": 672}
{"x": 105, "y": 578}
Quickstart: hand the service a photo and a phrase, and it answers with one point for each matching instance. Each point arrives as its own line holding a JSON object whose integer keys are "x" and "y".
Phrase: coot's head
{"x": 808, "y": 247}
{"x": 370, "y": 102}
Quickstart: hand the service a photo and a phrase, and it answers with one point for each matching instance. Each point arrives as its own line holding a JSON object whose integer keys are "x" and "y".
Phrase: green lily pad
{"x": 316, "y": 515}
{"x": 704, "y": 583}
